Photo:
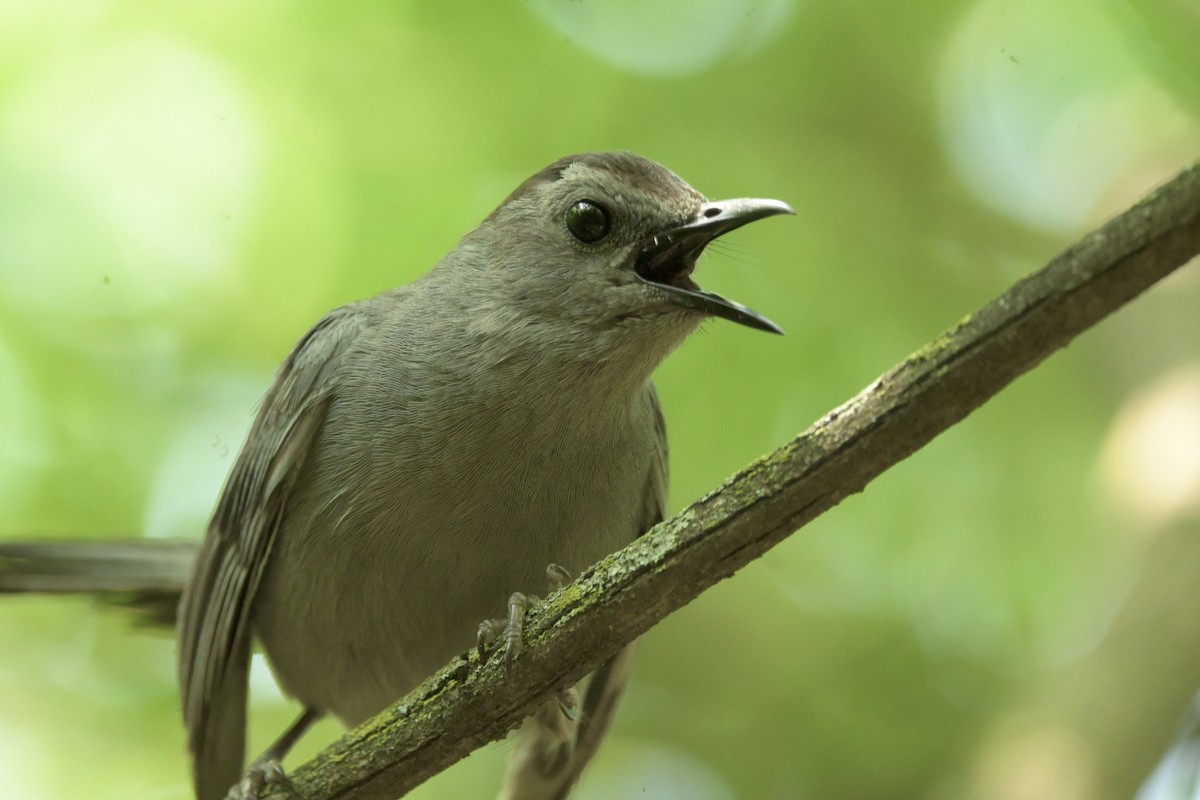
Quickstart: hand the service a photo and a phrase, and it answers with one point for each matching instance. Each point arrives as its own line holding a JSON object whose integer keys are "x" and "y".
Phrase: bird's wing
{"x": 552, "y": 778}
{"x": 214, "y": 614}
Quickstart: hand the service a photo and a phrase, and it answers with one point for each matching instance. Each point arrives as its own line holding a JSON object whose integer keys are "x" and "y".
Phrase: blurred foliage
{"x": 185, "y": 187}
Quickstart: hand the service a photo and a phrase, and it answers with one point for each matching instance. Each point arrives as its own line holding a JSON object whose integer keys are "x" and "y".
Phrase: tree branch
{"x": 468, "y": 704}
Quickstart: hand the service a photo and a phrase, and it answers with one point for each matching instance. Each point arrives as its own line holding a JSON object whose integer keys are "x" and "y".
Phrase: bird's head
{"x": 608, "y": 242}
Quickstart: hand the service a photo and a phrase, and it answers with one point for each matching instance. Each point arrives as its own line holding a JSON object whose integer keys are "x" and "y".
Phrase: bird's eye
{"x": 588, "y": 221}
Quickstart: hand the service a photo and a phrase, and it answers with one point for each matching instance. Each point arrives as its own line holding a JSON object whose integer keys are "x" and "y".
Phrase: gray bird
{"x": 425, "y": 454}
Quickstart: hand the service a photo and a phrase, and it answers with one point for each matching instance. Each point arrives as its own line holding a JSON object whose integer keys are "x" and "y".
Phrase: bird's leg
{"x": 513, "y": 627}
{"x": 546, "y": 743}
{"x": 267, "y": 769}
{"x": 510, "y": 628}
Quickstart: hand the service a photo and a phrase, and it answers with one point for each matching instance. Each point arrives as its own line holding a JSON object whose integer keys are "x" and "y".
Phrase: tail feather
{"x": 147, "y": 574}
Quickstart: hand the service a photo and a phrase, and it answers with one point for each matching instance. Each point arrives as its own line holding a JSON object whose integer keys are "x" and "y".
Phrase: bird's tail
{"x": 144, "y": 574}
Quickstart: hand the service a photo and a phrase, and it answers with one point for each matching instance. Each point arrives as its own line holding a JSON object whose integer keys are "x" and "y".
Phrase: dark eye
{"x": 588, "y": 221}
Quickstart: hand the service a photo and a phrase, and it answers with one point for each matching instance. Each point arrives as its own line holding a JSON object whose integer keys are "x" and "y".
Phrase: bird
{"x": 425, "y": 457}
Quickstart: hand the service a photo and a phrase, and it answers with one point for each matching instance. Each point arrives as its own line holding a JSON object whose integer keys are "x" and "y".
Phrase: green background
{"x": 1010, "y": 613}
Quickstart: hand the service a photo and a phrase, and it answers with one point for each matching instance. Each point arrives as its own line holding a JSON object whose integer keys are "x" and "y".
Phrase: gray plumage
{"x": 423, "y": 454}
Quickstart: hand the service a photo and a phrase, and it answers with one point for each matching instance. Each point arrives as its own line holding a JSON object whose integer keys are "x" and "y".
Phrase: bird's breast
{"x": 404, "y": 536}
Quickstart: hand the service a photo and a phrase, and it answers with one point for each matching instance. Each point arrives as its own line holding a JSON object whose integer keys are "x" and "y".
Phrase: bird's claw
{"x": 512, "y": 628}
{"x": 568, "y": 703}
{"x": 558, "y": 576}
{"x": 261, "y": 773}
{"x": 514, "y": 632}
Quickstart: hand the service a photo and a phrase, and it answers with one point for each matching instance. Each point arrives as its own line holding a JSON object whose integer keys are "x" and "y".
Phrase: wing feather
{"x": 214, "y": 614}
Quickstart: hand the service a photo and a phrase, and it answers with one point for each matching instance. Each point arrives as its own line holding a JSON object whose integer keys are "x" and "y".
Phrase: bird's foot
{"x": 558, "y": 576}
{"x": 263, "y": 771}
{"x": 512, "y": 628}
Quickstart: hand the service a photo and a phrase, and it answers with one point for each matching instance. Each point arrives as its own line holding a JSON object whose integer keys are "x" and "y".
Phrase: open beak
{"x": 668, "y": 258}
